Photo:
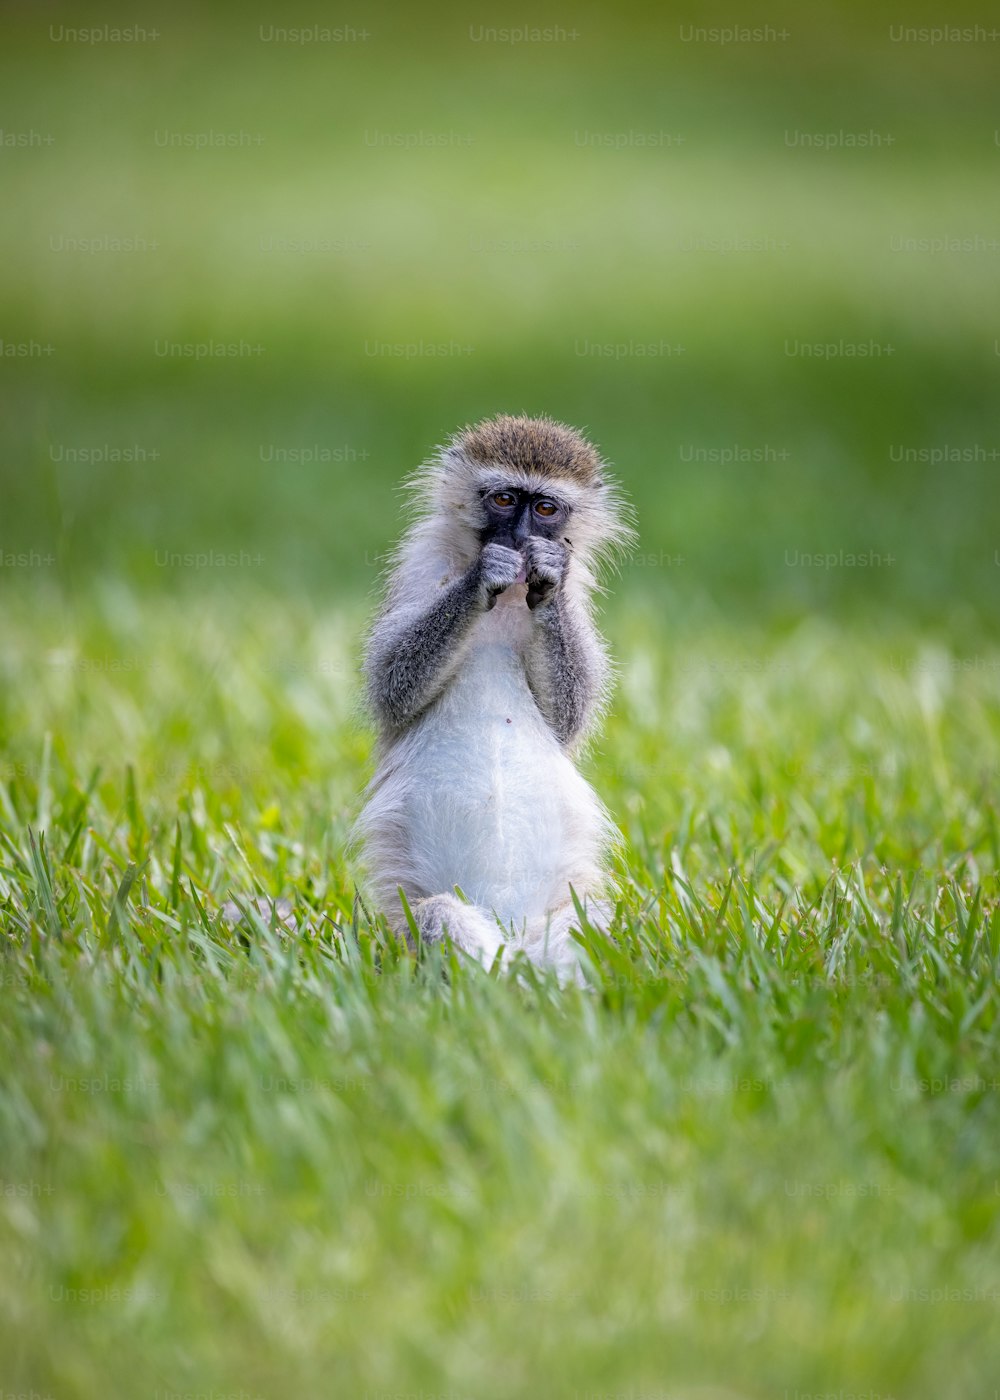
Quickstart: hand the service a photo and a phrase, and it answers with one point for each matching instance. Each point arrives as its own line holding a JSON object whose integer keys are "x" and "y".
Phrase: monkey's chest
{"x": 494, "y": 808}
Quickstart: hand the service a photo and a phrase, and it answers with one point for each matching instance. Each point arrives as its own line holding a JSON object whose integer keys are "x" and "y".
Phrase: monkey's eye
{"x": 546, "y": 508}
{"x": 504, "y": 499}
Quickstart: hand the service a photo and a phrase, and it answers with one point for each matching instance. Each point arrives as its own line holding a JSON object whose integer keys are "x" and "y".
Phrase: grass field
{"x": 758, "y": 1152}
{"x": 755, "y": 1157}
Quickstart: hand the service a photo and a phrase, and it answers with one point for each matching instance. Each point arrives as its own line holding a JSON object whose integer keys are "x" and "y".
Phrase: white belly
{"x": 483, "y": 797}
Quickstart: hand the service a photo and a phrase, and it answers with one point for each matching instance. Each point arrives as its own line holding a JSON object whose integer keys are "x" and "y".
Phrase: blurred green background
{"x": 418, "y": 224}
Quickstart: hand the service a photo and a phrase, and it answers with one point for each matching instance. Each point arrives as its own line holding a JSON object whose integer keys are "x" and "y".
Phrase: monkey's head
{"x": 508, "y": 478}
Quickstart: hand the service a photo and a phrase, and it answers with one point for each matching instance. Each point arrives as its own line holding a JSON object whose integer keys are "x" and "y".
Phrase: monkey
{"x": 485, "y": 673}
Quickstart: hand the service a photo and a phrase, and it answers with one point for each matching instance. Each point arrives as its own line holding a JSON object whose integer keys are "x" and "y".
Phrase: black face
{"x": 512, "y": 515}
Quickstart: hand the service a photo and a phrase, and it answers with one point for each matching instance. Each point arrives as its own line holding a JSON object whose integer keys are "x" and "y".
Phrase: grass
{"x": 754, "y": 1157}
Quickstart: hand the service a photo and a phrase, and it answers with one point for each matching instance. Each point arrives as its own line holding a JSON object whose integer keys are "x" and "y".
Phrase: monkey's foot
{"x": 472, "y": 930}
{"x": 549, "y": 941}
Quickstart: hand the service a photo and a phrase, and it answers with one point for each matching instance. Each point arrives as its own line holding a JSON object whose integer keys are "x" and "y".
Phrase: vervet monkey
{"x": 484, "y": 672}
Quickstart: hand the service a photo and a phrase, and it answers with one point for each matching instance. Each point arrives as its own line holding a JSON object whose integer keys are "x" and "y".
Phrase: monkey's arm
{"x": 565, "y": 663}
{"x": 412, "y": 655}
{"x": 565, "y": 666}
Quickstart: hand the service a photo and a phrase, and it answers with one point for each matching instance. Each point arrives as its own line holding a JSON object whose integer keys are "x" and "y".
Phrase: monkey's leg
{"x": 549, "y": 941}
{"x": 469, "y": 928}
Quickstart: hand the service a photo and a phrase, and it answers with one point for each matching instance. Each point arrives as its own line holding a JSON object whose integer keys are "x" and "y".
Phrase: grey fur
{"x": 566, "y": 668}
{"x": 407, "y": 667}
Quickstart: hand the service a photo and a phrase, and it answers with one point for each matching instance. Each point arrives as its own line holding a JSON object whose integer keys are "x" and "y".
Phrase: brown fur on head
{"x": 528, "y": 454}
{"x": 532, "y": 445}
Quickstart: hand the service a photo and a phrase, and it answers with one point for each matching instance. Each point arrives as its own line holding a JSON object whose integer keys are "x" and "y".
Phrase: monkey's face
{"x": 513, "y": 515}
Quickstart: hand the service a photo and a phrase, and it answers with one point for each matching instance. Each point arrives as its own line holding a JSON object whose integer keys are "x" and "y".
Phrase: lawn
{"x": 248, "y": 284}
{"x": 756, "y": 1152}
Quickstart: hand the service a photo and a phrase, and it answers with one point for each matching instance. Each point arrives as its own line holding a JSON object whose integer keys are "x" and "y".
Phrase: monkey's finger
{"x": 540, "y": 588}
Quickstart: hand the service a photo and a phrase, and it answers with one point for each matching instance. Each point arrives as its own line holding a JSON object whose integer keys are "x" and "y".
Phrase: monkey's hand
{"x": 545, "y": 567}
{"x": 498, "y": 567}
